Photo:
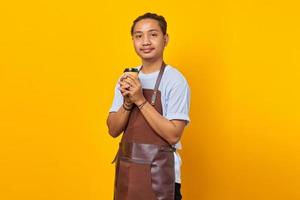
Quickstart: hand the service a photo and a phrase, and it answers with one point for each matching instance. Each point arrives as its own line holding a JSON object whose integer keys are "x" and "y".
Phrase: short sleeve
{"x": 118, "y": 100}
{"x": 178, "y": 104}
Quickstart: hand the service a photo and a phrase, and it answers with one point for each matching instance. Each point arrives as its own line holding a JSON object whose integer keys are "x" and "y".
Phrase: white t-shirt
{"x": 175, "y": 99}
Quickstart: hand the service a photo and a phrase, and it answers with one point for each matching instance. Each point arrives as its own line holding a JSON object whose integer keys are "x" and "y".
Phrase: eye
{"x": 138, "y": 36}
{"x": 154, "y": 34}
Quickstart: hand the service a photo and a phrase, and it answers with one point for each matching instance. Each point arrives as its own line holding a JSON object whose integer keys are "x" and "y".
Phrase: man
{"x": 152, "y": 111}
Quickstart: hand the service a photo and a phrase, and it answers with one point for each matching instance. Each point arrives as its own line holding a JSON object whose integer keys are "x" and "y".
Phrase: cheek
{"x": 136, "y": 44}
{"x": 136, "y": 48}
{"x": 160, "y": 44}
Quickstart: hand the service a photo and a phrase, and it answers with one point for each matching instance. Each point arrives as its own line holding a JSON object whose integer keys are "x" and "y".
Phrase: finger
{"x": 129, "y": 83}
{"x": 132, "y": 81}
{"x": 124, "y": 85}
{"x": 126, "y": 92}
{"x": 125, "y": 88}
{"x": 132, "y": 78}
{"x": 122, "y": 89}
{"x": 121, "y": 79}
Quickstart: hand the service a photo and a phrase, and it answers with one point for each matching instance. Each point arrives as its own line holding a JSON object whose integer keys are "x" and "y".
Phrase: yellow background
{"x": 60, "y": 61}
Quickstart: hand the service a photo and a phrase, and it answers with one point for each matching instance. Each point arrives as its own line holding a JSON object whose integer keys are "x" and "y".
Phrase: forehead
{"x": 146, "y": 25}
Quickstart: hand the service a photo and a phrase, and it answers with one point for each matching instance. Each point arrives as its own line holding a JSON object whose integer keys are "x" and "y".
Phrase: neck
{"x": 151, "y": 66}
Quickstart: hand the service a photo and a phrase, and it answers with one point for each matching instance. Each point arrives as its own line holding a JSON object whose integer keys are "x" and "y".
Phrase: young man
{"x": 152, "y": 111}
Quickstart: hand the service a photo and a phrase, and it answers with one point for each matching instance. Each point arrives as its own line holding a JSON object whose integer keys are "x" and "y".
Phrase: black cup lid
{"x": 131, "y": 70}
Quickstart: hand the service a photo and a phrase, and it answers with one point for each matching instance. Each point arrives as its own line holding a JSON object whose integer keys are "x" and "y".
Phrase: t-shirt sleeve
{"x": 117, "y": 101}
{"x": 178, "y": 105}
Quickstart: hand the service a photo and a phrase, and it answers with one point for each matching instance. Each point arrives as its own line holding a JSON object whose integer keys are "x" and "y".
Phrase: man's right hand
{"x": 124, "y": 87}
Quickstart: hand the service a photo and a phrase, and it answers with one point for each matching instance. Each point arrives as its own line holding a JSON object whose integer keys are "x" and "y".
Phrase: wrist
{"x": 139, "y": 102}
{"x": 126, "y": 107}
{"x": 128, "y": 104}
{"x": 142, "y": 104}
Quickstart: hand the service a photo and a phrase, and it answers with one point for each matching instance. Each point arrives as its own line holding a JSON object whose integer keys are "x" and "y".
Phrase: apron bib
{"x": 145, "y": 161}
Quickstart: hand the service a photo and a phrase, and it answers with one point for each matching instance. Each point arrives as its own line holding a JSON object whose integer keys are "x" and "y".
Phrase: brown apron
{"x": 145, "y": 161}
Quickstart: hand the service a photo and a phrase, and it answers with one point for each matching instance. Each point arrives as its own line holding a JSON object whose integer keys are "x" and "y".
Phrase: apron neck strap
{"x": 158, "y": 80}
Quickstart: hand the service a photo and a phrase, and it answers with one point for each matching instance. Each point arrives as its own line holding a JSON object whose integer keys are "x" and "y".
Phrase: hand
{"x": 132, "y": 87}
{"x": 123, "y": 87}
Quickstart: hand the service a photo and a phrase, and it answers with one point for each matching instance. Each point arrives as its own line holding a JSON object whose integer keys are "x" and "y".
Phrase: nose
{"x": 146, "y": 41}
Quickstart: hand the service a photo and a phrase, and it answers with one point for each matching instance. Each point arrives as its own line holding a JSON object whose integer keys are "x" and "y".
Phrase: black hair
{"x": 161, "y": 21}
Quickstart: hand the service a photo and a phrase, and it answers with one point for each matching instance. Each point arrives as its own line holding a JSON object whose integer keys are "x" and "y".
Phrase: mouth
{"x": 147, "y": 50}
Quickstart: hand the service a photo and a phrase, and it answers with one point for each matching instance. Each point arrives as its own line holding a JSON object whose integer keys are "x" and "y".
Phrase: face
{"x": 148, "y": 39}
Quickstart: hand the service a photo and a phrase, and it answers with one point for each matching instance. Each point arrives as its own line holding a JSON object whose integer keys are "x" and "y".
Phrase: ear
{"x": 166, "y": 39}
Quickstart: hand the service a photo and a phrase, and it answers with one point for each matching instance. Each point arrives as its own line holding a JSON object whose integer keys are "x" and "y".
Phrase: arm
{"x": 117, "y": 120}
{"x": 170, "y": 130}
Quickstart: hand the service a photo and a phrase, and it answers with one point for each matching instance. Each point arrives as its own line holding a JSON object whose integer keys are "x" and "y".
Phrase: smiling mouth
{"x": 147, "y": 50}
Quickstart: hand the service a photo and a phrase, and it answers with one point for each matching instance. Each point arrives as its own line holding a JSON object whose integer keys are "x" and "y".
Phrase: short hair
{"x": 159, "y": 18}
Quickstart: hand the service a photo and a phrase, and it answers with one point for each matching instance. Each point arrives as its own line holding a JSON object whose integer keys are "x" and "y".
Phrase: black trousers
{"x": 177, "y": 191}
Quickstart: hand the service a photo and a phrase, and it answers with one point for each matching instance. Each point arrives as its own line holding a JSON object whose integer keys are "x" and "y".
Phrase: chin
{"x": 146, "y": 57}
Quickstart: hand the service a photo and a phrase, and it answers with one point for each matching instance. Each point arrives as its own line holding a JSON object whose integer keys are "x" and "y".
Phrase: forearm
{"x": 161, "y": 125}
{"x": 117, "y": 121}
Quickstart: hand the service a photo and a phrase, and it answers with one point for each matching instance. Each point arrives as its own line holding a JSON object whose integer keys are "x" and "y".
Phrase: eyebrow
{"x": 148, "y": 31}
{"x": 153, "y": 30}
